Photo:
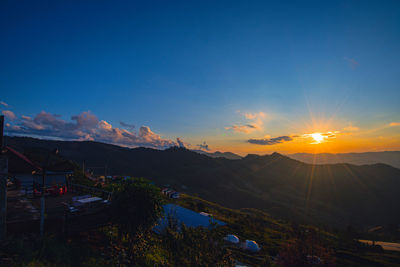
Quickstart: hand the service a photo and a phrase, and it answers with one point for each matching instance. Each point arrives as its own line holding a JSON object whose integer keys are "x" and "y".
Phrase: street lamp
{"x": 42, "y": 207}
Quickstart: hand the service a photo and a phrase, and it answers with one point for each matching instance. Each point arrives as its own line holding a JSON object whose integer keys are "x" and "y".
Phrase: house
{"x": 27, "y": 174}
{"x": 170, "y": 193}
{"x": 175, "y": 195}
{"x": 20, "y": 168}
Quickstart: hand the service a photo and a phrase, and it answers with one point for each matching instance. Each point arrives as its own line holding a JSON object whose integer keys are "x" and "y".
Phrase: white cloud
{"x": 9, "y": 114}
{"x": 252, "y": 116}
{"x": 180, "y": 142}
{"x": 86, "y": 126}
{"x": 255, "y": 124}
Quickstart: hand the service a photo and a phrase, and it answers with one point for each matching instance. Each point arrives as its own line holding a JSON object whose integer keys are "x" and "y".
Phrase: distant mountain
{"x": 217, "y": 154}
{"x": 335, "y": 194}
{"x": 391, "y": 158}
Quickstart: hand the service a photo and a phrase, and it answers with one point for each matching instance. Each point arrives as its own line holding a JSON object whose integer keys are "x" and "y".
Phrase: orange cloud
{"x": 394, "y": 124}
{"x": 318, "y": 138}
{"x": 351, "y": 128}
{"x": 252, "y": 116}
{"x": 255, "y": 124}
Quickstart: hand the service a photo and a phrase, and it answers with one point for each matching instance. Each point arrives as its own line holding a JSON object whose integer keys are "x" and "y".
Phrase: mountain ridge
{"x": 218, "y": 154}
{"x": 363, "y": 158}
{"x": 335, "y": 194}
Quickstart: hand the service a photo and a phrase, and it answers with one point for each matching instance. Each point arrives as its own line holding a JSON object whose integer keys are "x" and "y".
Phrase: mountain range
{"x": 391, "y": 158}
{"x": 218, "y": 154}
{"x": 329, "y": 194}
{"x": 388, "y": 157}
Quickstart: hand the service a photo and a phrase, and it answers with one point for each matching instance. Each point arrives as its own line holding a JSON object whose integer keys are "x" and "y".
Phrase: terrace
{"x": 81, "y": 207}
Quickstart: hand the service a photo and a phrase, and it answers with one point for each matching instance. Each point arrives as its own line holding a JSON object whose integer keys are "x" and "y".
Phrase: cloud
{"x": 204, "y": 146}
{"x": 252, "y": 116}
{"x": 326, "y": 136}
{"x": 9, "y": 114}
{"x": 351, "y": 128}
{"x": 2, "y": 103}
{"x": 352, "y": 62}
{"x": 86, "y": 126}
{"x": 180, "y": 143}
{"x": 270, "y": 141}
{"x": 394, "y": 124}
{"x": 248, "y": 128}
{"x": 255, "y": 124}
{"x": 127, "y": 125}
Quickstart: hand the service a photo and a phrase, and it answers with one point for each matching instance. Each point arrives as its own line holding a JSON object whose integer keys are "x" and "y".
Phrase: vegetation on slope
{"x": 336, "y": 195}
{"x": 128, "y": 241}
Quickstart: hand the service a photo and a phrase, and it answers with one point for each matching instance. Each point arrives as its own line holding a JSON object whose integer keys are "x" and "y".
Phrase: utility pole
{"x": 42, "y": 203}
{"x": 3, "y": 184}
{"x": 42, "y": 200}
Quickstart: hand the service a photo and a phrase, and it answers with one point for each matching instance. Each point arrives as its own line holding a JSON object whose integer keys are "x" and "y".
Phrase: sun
{"x": 318, "y": 137}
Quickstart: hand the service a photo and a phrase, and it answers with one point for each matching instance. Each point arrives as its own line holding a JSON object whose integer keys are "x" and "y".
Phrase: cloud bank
{"x": 270, "y": 141}
{"x": 248, "y": 128}
{"x": 86, "y": 126}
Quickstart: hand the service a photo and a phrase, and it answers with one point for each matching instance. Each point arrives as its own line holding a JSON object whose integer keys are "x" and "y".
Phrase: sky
{"x": 239, "y": 76}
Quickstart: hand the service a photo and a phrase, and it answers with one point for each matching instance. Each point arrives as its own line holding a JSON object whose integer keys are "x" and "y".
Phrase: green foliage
{"x": 50, "y": 251}
{"x": 136, "y": 205}
{"x": 305, "y": 249}
{"x": 194, "y": 246}
{"x": 80, "y": 178}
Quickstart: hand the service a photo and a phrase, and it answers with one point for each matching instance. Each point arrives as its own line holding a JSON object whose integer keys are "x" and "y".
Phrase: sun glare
{"x": 318, "y": 138}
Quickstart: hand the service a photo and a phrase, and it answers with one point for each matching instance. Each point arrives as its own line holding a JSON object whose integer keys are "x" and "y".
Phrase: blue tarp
{"x": 188, "y": 217}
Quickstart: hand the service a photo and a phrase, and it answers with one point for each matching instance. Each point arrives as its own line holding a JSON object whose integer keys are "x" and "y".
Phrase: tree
{"x": 135, "y": 208}
{"x": 188, "y": 246}
{"x": 136, "y": 205}
{"x": 305, "y": 249}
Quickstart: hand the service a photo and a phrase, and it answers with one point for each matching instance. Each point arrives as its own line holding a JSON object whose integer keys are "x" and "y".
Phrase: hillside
{"x": 391, "y": 158}
{"x": 338, "y": 195}
{"x": 218, "y": 154}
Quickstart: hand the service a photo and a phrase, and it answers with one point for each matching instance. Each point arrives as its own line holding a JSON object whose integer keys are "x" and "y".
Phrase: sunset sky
{"x": 239, "y": 76}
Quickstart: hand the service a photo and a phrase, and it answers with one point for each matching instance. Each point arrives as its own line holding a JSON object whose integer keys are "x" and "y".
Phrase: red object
{"x": 23, "y": 157}
{"x": 36, "y": 192}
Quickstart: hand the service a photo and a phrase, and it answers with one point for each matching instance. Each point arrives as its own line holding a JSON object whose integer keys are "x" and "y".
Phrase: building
{"x": 28, "y": 175}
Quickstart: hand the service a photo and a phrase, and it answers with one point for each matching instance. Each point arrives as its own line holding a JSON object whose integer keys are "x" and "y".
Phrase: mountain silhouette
{"x": 388, "y": 157}
{"x": 332, "y": 194}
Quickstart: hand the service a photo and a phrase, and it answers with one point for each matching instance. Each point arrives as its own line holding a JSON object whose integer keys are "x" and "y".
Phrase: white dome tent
{"x": 251, "y": 245}
{"x": 232, "y": 239}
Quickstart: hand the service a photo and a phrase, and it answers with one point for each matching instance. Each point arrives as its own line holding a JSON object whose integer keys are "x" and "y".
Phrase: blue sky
{"x": 192, "y": 69}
